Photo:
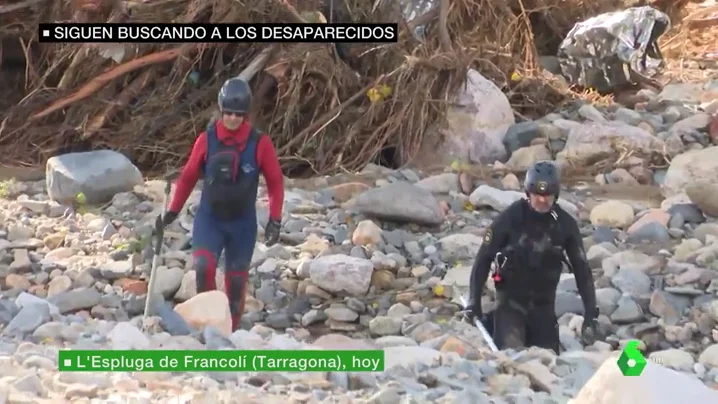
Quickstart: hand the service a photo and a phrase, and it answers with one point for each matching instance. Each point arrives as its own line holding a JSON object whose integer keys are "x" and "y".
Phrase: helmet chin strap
{"x": 550, "y": 211}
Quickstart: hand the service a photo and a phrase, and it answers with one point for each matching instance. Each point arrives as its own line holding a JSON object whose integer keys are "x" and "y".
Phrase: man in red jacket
{"x": 230, "y": 155}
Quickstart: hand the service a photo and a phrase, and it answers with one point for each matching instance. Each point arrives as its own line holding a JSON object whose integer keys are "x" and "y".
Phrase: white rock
{"x": 168, "y": 280}
{"x": 336, "y": 273}
{"x": 612, "y": 214}
{"x": 673, "y": 358}
{"x": 460, "y": 246}
{"x": 208, "y": 308}
{"x": 709, "y": 357}
{"x": 524, "y": 158}
{"x": 127, "y": 336}
{"x": 188, "y": 287}
{"x": 366, "y": 233}
{"x": 492, "y": 197}
{"x": 511, "y": 182}
{"x": 409, "y": 355}
{"x": 656, "y": 385}
{"x": 478, "y": 122}
{"x": 692, "y": 166}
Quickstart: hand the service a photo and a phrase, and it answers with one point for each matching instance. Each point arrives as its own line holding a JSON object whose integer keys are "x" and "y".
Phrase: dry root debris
{"x": 150, "y": 100}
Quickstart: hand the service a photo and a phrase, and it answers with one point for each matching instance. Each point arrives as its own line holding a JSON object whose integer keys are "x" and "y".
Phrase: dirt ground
{"x": 22, "y": 173}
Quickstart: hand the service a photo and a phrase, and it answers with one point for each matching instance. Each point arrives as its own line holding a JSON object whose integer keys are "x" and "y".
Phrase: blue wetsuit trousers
{"x": 210, "y": 236}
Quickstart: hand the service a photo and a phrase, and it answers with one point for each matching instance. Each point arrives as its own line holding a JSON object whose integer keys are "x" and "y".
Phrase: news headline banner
{"x": 221, "y": 361}
{"x": 205, "y": 33}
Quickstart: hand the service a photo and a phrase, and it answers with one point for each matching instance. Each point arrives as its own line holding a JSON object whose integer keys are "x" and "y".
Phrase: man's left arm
{"x": 581, "y": 270}
{"x": 272, "y": 171}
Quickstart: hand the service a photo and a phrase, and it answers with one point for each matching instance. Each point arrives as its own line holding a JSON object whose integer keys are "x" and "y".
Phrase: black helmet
{"x": 235, "y": 96}
{"x": 543, "y": 179}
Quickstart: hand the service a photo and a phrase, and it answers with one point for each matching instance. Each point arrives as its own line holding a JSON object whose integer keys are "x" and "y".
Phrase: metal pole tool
{"x": 159, "y": 234}
{"x": 487, "y": 337}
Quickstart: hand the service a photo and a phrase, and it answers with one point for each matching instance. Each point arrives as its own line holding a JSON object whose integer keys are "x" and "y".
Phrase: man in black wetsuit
{"x": 528, "y": 241}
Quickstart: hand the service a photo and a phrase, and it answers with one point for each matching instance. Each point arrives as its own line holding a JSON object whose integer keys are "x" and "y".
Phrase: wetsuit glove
{"x": 589, "y": 330}
{"x": 165, "y": 220}
{"x": 473, "y": 311}
{"x": 271, "y": 232}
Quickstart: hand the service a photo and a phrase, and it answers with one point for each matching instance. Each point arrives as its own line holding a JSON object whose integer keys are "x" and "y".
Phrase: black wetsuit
{"x": 534, "y": 246}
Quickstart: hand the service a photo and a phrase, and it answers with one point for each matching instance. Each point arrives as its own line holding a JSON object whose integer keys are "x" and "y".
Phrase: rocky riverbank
{"x": 374, "y": 262}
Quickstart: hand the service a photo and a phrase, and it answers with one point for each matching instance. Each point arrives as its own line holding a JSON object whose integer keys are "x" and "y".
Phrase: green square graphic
{"x": 631, "y": 362}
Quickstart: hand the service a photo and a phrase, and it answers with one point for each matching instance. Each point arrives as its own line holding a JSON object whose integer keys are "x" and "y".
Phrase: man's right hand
{"x": 589, "y": 330}
{"x": 165, "y": 220}
{"x": 473, "y": 312}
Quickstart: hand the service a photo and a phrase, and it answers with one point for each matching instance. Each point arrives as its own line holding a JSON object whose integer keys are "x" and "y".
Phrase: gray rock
{"x": 690, "y": 212}
{"x": 628, "y": 116}
{"x": 668, "y": 306}
{"x": 628, "y": 311}
{"x": 77, "y": 299}
{"x": 607, "y": 300}
{"x": 698, "y": 121}
{"x": 676, "y": 222}
{"x": 659, "y": 176}
{"x": 313, "y": 317}
{"x": 590, "y": 113}
{"x": 603, "y": 234}
{"x": 340, "y": 312}
{"x": 632, "y": 281}
{"x": 99, "y": 175}
{"x": 383, "y": 326}
{"x": 28, "y": 319}
{"x": 520, "y": 135}
{"x": 25, "y": 299}
{"x": 8, "y": 310}
{"x": 279, "y": 320}
{"x": 653, "y": 232}
{"x": 568, "y": 303}
{"x": 401, "y": 202}
{"x": 441, "y": 183}
{"x": 172, "y": 322}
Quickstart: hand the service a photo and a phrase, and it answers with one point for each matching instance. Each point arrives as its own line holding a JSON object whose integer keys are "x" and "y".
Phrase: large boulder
{"x": 656, "y": 385}
{"x": 696, "y": 166}
{"x": 477, "y": 120}
{"x": 99, "y": 175}
{"x": 400, "y": 202}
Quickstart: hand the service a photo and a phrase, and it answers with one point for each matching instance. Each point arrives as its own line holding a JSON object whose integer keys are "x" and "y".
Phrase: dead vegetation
{"x": 149, "y": 101}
